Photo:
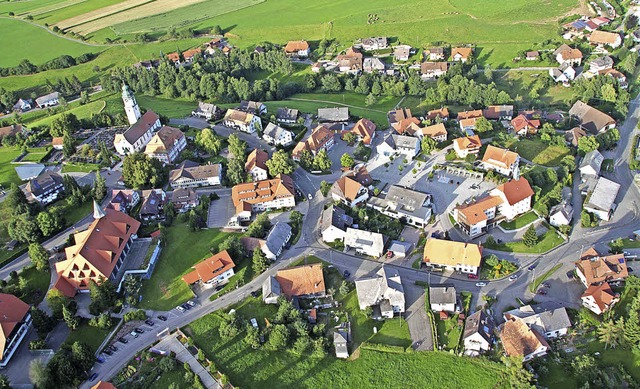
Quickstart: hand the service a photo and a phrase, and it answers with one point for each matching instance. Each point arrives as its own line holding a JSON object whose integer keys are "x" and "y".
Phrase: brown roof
{"x": 13, "y": 129}
{"x": 468, "y": 122}
{"x": 469, "y": 142}
{"x": 403, "y": 125}
{"x": 164, "y": 140}
{"x": 365, "y": 129}
{"x": 499, "y": 157}
{"x": 103, "y": 385}
{"x": 173, "y": 57}
{"x": 603, "y": 37}
{"x": 399, "y": 114}
{"x": 442, "y": 113}
{"x": 57, "y": 141}
{"x": 516, "y": 190}
{"x": 573, "y": 135}
{"x": 568, "y": 53}
{"x": 470, "y": 114}
{"x": 362, "y": 176}
{"x": 346, "y": 187}
{"x": 210, "y": 268}
{"x": 465, "y": 52}
{"x": 141, "y": 126}
{"x": 295, "y": 46}
{"x": 518, "y": 339}
{"x": 429, "y": 67}
{"x": 590, "y": 118}
{"x": 195, "y": 171}
{"x": 597, "y": 269}
{"x": 531, "y": 54}
{"x": 521, "y": 122}
{"x": 238, "y": 116}
{"x": 262, "y": 191}
{"x": 602, "y": 294}
{"x": 435, "y": 130}
{"x": 257, "y": 158}
{"x": 12, "y": 313}
{"x": 318, "y": 138}
{"x": 190, "y": 53}
{"x": 249, "y": 243}
{"x": 473, "y": 213}
{"x": 301, "y": 280}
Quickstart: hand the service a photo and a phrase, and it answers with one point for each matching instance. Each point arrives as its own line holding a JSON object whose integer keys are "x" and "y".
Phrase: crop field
{"x": 99, "y": 13}
{"x": 22, "y": 7}
{"x": 68, "y": 9}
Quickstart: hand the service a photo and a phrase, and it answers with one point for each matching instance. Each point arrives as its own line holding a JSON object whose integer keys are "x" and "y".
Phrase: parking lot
{"x": 448, "y": 190}
{"x": 220, "y": 211}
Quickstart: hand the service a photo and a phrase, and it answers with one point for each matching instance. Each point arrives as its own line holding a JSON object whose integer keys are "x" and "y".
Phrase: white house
{"x": 48, "y": 100}
{"x": 166, "y": 145}
{"x": 452, "y": 256}
{"x": 519, "y": 340}
{"x": 364, "y": 242}
{"x": 500, "y": 160}
{"x": 548, "y": 319}
{"x": 276, "y": 135}
{"x": 45, "y": 189}
{"x": 442, "y": 298}
{"x": 206, "y": 111}
{"x": 192, "y": 175}
{"x": 349, "y": 191}
{"x": 591, "y": 164}
{"x": 383, "y": 292}
{"x": 213, "y": 271}
{"x": 516, "y": 196}
{"x": 566, "y": 54}
{"x": 135, "y": 138}
{"x": 563, "y": 73}
{"x": 394, "y": 144}
{"x": 410, "y": 206}
{"x": 242, "y": 121}
{"x": 15, "y": 322}
{"x": 599, "y": 298}
{"x": 297, "y": 49}
{"x": 256, "y": 165}
{"x": 287, "y": 115}
{"x": 467, "y": 145}
{"x": 602, "y": 200}
{"x": 561, "y": 215}
{"x": 374, "y": 43}
{"x": 478, "y": 334}
{"x": 23, "y": 105}
{"x": 334, "y": 223}
{"x": 276, "y": 240}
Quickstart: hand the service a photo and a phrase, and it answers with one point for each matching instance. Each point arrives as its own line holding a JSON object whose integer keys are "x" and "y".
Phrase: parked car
{"x": 93, "y": 377}
{"x": 546, "y": 285}
{"x": 346, "y": 274}
{"x": 219, "y": 288}
{"x": 629, "y": 269}
{"x": 542, "y": 292}
{"x": 100, "y": 359}
{"x": 123, "y": 340}
{"x": 530, "y": 268}
{"x": 138, "y": 330}
{"x": 149, "y": 323}
{"x": 134, "y": 334}
{"x": 113, "y": 348}
{"x": 481, "y": 284}
{"x": 191, "y": 303}
{"x": 180, "y": 308}
{"x": 513, "y": 277}
{"x": 162, "y": 318}
{"x": 570, "y": 274}
{"x": 472, "y": 276}
{"x": 108, "y": 352}
{"x": 255, "y": 293}
{"x": 310, "y": 196}
{"x": 186, "y": 306}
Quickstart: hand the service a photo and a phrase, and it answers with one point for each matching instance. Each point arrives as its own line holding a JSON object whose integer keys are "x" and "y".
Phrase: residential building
{"x": 152, "y": 204}
{"x": 213, "y": 271}
{"x": 433, "y": 69}
{"x": 599, "y": 298}
{"x": 452, "y": 256}
{"x": 207, "y": 111}
{"x": 401, "y": 52}
{"x": 45, "y": 189}
{"x": 256, "y": 165}
{"x": 136, "y": 137}
{"x": 287, "y": 115}
{"x": 252, "y": 107}
{"x": 521, "y": 341}
{"x": 564, "y": 73}
{"x": 516, "y": 195}
{"x": 476, "y": 217}
{"x": 321, "y": 138}
{"x": 365, "y": 131}
{"x": 364, "y": 242}
{"x": 399, "y": 144}
{"x": 192, "y": 175}
{"x": 334, "y": 223}
{"x": 461, "y": 54}
{"x": 442, "y": 298}
{"x": 619, "y": 76}
{"x": 15, "y": 129}
{"x": 374, "y": 43}
{"x": 438, "y": 114}
{"x": 166, "y": 145}
{"x": 242, "y": 121}
{"x": 478, "y": 334}
{"x": 350, "y": 62}
{"x": 131, "y": 107}
{"x": 468, "y": 126}
{"x": 23, "y": 105}
{"x": 591, "y": 163}
{"x": 573, "y": 135}
{"x": 400, "y": 249}
{"x": 276, "y": 135}
{"x": 306, "y": 281}
{"x": 548, "y": 319}
{"x": 525, "y": 126}
{"x": 103, "y": 385}
{"x": 470, "y": 114}
{"x": 410, "y": 206}
{"x": 48, "y": 100}
{"x": 591, "y": 119}
{"x": 99, "y": 252}
{"x": 340, "y": 343}
{"x": 595, "y": 269}
{"x": 373, "y": 64}
{"x": 602, "y": 38}
{"x": 498, "y": 112}
{"x": 297, "y": 49}
{"x": 566, "y": 54}
{"x": 333, "y": 115}
{"x": 502, "y": 161}
{"x": 276, "y": 240}
{"x": 467, "y": 145}
{"x": 57, "y": 142}
{"x": 123, "y": 200}
{"x": 437, "y": 132}
{"x": 383, "y": 292}
{"x": 561, "y": 214}
{"x": 399, "y": 114}
{"x": 434, "y": 53}
{"x": 184, "y": 199}
{"x": 15, "y": 321}
{"x": 187, "y": 56}
{"x": 601, "y": 201}
{"x": 265, "y": 195}
{"x": 407, "y": 126}
{"x": 349, "y": 191}
{"x": 600, "y": 63}
{"x": 532, "y": 55}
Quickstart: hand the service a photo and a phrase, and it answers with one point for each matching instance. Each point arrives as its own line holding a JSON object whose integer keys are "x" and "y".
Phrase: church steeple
{"x": 130, "y": 104}
{"x": 98, "y": 212}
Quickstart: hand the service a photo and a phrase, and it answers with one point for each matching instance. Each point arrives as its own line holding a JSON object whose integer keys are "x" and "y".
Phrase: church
{"x": 142, "y": 128}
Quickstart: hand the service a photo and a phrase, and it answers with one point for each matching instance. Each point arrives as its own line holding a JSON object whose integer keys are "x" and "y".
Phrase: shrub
{"x": 138, "y": 314}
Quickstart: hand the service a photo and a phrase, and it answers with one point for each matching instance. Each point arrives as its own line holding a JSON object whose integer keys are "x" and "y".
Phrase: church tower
{"x": 130, "y": 104}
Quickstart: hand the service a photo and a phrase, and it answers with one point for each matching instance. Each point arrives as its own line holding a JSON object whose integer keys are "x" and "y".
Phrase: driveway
{"x": 253, "y": 142}
{"x": 416, "y": 317}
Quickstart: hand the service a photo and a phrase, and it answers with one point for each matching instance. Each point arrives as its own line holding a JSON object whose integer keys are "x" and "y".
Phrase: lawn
{"x": 520, "y": 221}
{"x": 37, "y": 284}
{"x": 79, "y": 167}
{"x": 546, "y": 242}
{"x": 81, "y": 111}
{"x": 449, "y": 332}
{"x": 185, "y": 248}
{"x": 91, "y": 336}
{"x": 148, "y": 375}
{"x": 175, "y": 108}
{"x": 540, "y": 153}
{"x": 8, "y": 173}
{"x": 36, "y": 154}
{"x": 517, "y": 83}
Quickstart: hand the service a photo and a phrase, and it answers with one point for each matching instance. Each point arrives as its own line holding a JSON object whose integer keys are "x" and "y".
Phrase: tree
{"x": 488, "y": 73}
{"x": 278, "y": 337}
{"x": 103, "y": 295}
{"x": 280, "y": 163}
{"x": 69, "y": 317}
{"x": 611, "y": 333}
{"x": 208, "y": 141}
{"x": 167, "y": 364}
{"x": 234, "y": 247}
{"x": 50, "y": 222}
{"x": 235, "y": 171}
{"x": 237, "y": 146}
{"x": 65, "y": 122}
{"x": 530, "y": 237}
{"x": 322, "y": 161}
{"x": 138, "y": 170}
{"x": 515, "y": 375}
{"x": 306, "y": 159}
{"x": 632, "y": 324}
{"x": 325, "y": 187}
{"x": 370, "y": 100}
{"x": 16, "y": 200}
{"x": 39, "y": 256}
{"x": 252, "y": 338}
{"x": 68, "y": 144}
{"x": 132, "y": 286}
{"x": 344, "y": 288}
{"x": 42, "y": 322}
{"x": 259, "y": 227}
{"x": 56, "y": 300}
{"x": 347, "y": 160}
{"x": 350, "y": 138}
{"x": 260, "y": 262}
{"x": 587, "y": 144}
{"x": 38, "y": 373}
{"x": 616, "y": 246}
{"x": 483, "y": 125}
{"x": 296, "y": 218}
{"x": 628, "y": 64}
{"x": 608, "y": 93}
{"x": 427, "y": 144}
{"x": 99, "y": 187}
{"x": 24, "y": 228}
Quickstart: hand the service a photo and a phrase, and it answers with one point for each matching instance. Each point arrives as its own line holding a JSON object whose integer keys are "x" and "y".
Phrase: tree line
{"x": 25, "y": 66}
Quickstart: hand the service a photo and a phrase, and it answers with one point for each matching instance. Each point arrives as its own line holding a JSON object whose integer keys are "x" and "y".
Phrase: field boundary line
{"x": 58, "y": 35}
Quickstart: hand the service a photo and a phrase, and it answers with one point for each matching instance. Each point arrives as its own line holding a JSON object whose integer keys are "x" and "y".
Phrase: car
{"x": 513, "y": 277}
{"x": 191, "y": 303}
{"x": 542, "y": 292}
{"x": 346, "y": 274}
{"x": 134, "y": 333}
{"x": 113, "y": 348}
{"x": 100, "y": 359}
{"x": 149, "y": 323}
{"x": 481, "y": 284}
{"x": 472, "y": 276}
{"x": 255, "y": 293}
{"x": 180, "y": 308}
{"x": 108, "y": 352}
{"x": 219, "y": 288}
{"x": 570, "y": 274}
{"x": 629, "y": 269}
{"x": 186, "y": 306}
{"x": 310, "y": 196}
{"x": 93, "y": 377}
{"x": 546, "y": 285}
{"x": 138, "y": 330}
{"x": 530, "y": 268}
{"x": 162, "y": 318}
{"x": 123, "y": 340}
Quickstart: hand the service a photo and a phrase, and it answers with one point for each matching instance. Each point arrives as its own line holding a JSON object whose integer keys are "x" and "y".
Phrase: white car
{"x": 513, "y": 277}
{"x": 180, "y": 308}
{"x": 481, "y": 284}
{"x": 310, "y": 196}
{"x": 134, "y": 334}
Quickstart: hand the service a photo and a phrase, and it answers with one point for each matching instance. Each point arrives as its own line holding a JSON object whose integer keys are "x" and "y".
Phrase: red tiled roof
{"x": 210, "y": 268}
{"x": 12, "y": 312}
{"x": 516, "y": 190}
{"x": 301, "y": 280}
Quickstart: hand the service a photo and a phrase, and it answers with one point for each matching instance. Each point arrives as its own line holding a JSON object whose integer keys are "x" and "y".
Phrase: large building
{"x": 467, "y": 145}
{"x": 138, "y": 135}
{"x": 264, "y": 195}
{"x": 166, "y": 145}
{"x": 276, "y": 135}
{"x": 213, "y": 271}
{"x": 242, "y": 121}
{"x": 502, "y": 161}
{"x": 383, "y": 292}
{"x": 452, "y": 256}
{"x": 601, "y": 201}
{"x": 45, "y": 189}
{"x": 98, "y": 253}
{"x": 364, "y": 242}
{"x": 595, "y": 269}
{"x": 591, "y": 119}
{"x": 349, "y": 191}
{"x": 321, "y": 138}
{"x": 409, "y": 206}
{"x": 192, "y": 175}
{"x": 15, "y": 321}
{"x": 130, "y": 105}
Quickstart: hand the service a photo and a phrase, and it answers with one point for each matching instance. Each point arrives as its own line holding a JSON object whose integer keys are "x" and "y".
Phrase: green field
{"x": 68, "y": 9}
{"x": 546, "y": 242}
{"x": 538, "y": 152}
{"x": 81, "y": 112}
{"x": 8, "y": 173}
{"x": 36, "y": 154}
{"x": 170, "y": 108}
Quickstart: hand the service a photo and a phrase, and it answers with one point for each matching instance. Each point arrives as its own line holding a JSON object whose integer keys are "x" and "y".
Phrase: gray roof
{"x": 400, "y": 247}
{"x": 480, "y": 323}
{"x": 403, "y": 200}
{"x": 250, "y": 106}
{"x": 153, "y": 202}
{"x": 590, "y": 118}
{"x": 43, "y": 183}
{"x": 543, "y": 317}
{"x": 401, "y": 141}
{"x": 593, "y": 159}
{"x": 373, "y": 63}
{"x": 385, "y": 285}
{"x": 340, "y": 343}
{"x": 194, "y": 171}
{"x": 51, "y": 96}
{"x": 271, "y": 288}
{"x": 442, "y": 294}
{"x": 336, "y": 114}
{"x": 206, "y": 108}
{"x": 273, "y": 130}
{"x": 287, "y": 114}
{"x": 337, "y": 217}
{"x": 602, "y": 61}
{"x": 362, "y": 239}
{"x": 603, "y": 195}
{"x": 29, "y": 170}
{"x": 565, "y": 208}
{"x": 278, "y": 236}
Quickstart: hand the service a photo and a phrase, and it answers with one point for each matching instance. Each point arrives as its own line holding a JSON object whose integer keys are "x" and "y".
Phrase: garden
{"x": 520, "y": 221}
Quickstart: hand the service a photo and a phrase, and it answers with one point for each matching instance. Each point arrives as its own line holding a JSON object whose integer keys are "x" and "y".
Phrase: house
{"x": 468, "y": 125}
{"x": 213, "y": 271}
{"x": 136, "y": 137}
{"x": 306, "y": 281}
{"x": 461, "y": 54}
{"x": 166, "y": 145}
{"x": 595, "y": 269}
{"x": 48, "y": 100}
{"x": 99, "y": 252}
{"x": 434, "y": 53}
{"x": 277, "y": 135}
{"x": 478, "y": 334}
{"x": 321, "y": 138}
{"x": 467, "y": 145}
{"x": 276, "y": 240}
{"x": 334, "y": 223}
{"x": 15, "y": 321}
{"x": 252, "y": 107}
{"x": 374, "y": 43}
{"x": 601, "y": 201}
{"x": 350, "y": 62}
{"x": 599, "y": 298}
{"x": 152, "y": 204}
{"x": 242, "y": 121}
{"x": 184, "y": 199}
{"x": 573, "y": 135}
{"x": 561, "y": 214}
{"x": 373, "y": 64}
{"x": 271, "y": 291}
{"x": 57, "y": 142}
{"x": 407, "y": 126}
{"x": 566, "y": 54}
{"x": 591, "y": 119}
{"x": 207, "y": 111}
{"x": 521, "y": 341}
{"x": 29, "y": 171}
{"x": 564, "y": 73}
{"x": 591, "y": 163}
{"x": 525, "y": 126}
{"x": 399, "y": 114}
{"x": 383, "y": 291}
{"x": 340, "y": 343}
{"x": 602, "y": 38}
{"x": 264, "y": 195}
{"x": 333, "y": 115}
{"x": 364, "y": 130}
{"x": 433, "y": 69}
{"x": 45, "y": 189}
{"x": 148, "y": 65}
{"x": 220, "y": 45}
{"x": 600, "y": 63}
{"x": 452, "y": 256}
{"x": 297, "y": 49}
{"x": 502, "y": 161}
{"x": 256, "y": 165}
{"x": 123, "y": 200}
{"x": 438, "y": 114}
{"x": 476, "y": 217}
{"x": 103, "y": 385}
{"x": 442, "y": 298}
{"x": 437, "y": 132}
{"x": 401, "y": 52}
{"x": 549, "y": 319}
{"x": 364, "y": 242}
{"x": 349, "y": 191}
{"x": 407, "y": 205}
{"x": 399, "y": 144}
{"x": 23, "y": 105}
{"x": 192, "y": 175}
{"x": 470, "y": 114}
{"x": 498, "y": 112}
{"x": 516, "y": 195}
{"x": 622, "y": 79}
{"x": 187, "y": 55}
{"x": 532, "y": 55}
{"x": 15, "y": 130}
{"x": 287, "y": 115}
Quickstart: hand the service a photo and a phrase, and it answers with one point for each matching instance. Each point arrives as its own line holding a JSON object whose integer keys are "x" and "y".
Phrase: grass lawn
{"x": 630, "y": 244}
{"x": 37, "y": 284}
{"x": 81, "y": 111}
{"x": 91, "y": 336}
{"x": 546, "y": 242}
{"x": 520, "y": 221}
{"x": 185, "y": 248}
{"x": 449, "y": 332}
{"x": 540, "y": 153}
{"x": 8, "y": 173}
{"x": 36, "y": 154}
{"x": 394, "y": 332}
{"x": 79, "y": 167}
{"x": 175, "y": 108}
{"x": 74, "y": 214}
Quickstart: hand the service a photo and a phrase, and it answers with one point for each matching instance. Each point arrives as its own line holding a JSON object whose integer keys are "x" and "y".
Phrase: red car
{"x": 472, "y": 276}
